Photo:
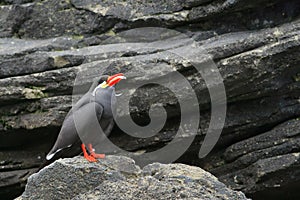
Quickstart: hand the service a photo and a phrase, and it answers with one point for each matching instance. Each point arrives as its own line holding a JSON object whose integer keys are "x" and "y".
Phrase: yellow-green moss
{"x": 297, "y": 77}
{"x": 34, "y": 92}
{"x": 110, "y": 33}
{"x": 5, "y": 125}
{"x": 60, "y": 61}
{"x": 77, "y": 37}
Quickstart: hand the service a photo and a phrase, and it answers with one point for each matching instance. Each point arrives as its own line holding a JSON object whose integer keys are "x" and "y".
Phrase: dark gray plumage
{"x": 96, "y": 107}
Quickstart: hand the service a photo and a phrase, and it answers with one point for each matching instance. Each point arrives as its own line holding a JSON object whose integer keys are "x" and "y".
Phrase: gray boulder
{"x": 117, "y": 177}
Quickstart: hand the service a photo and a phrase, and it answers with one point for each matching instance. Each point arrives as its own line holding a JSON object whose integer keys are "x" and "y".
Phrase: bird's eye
{"x": 101, "y": 80}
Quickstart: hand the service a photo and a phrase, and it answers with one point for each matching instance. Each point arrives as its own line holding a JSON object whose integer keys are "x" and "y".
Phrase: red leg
{"x": 90, "y": 158}
{"x": 95, "y": 155}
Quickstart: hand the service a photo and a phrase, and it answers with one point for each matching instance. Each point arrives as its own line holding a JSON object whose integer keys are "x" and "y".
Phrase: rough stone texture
{"x": 268, "y": 160}
{"x": 75, "y": 17}
{"x": 255, "y": 45}
{"x": 117, "y": 177}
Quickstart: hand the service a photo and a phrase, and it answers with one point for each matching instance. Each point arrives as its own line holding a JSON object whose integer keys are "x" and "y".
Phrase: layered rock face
{"x": 255, "y": 45}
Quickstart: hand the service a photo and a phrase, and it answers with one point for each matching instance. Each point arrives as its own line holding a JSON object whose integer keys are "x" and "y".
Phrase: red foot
{"x": 90, "y": 158}
{"x": 98, "y": 155}
{"x": 95, "y": 155}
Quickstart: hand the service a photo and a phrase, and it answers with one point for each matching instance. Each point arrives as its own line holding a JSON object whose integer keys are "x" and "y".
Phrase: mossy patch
{"x": 60, "y": 61}
{"x": 110, "y": 33}
{"x": 77, "y": 37}
{"x": 34, "y": 92}
{"x": 297, "y": 77}
{"x": 5, "y": 125}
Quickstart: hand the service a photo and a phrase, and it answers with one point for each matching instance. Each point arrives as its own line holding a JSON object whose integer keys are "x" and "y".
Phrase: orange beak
{"x": 114, "y": 79}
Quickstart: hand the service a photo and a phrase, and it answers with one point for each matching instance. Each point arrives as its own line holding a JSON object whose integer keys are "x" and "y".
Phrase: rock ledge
{"x": 117, "y": 177}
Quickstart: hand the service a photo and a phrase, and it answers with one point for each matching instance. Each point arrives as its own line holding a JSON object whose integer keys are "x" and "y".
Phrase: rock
{"x": 264, "y": 162}
{"x": 14, "y": 181}
{"x": 117, "y": 177}
{"x": 16, "y": 165}
{"x": 47, "y": 19}
{"x": 45, "y": 44}
{"x": 54, "y": 83}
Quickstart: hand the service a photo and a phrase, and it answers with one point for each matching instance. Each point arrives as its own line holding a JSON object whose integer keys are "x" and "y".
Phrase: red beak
{"x": 114, "y": 79}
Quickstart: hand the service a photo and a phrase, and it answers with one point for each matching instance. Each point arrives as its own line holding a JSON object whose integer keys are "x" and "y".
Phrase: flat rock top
{"x": 117, "y": 177}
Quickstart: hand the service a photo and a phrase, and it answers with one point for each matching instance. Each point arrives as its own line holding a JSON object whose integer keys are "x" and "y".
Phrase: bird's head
{"x": 112, "y": 80}
{"x": 105, "y": 94}
{"x": 107, "y": 82}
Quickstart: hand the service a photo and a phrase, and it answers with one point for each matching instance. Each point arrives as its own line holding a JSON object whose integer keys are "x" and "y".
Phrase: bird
{"x": 79, "y": 128}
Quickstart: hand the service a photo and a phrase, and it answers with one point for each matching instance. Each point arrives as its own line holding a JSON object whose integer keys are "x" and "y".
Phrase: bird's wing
{"x": 88, "y": 122}
{"x": 77, "y": 121}
{"x": 66, "y": 137}
{"x": 85, "y": 99}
